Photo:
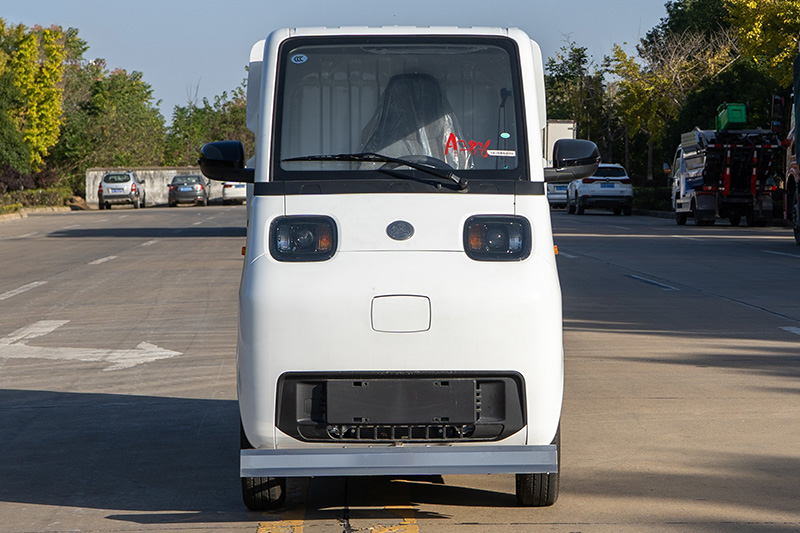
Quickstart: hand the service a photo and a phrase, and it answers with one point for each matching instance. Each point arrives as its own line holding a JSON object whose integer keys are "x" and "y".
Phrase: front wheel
{"x": 735, "y": 220}
{"x": 540, "y": 490}
{"x": 680, "y": 218}
{"x": 263, "y": 493}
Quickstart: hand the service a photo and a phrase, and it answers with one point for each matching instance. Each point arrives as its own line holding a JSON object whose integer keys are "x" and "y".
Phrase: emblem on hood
{"x": 400, "y": 230}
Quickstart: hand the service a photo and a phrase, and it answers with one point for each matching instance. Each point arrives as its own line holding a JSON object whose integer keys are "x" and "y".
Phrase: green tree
{"x": 36, "y": 63}
{"x": 767, "y": 32}
{"x": 194, "y": 125}
{"x": 111, "y": 120}
{"x": 31, "y": 69}
{"x": 576, "y": 90}
{"x": 652, "y": 94}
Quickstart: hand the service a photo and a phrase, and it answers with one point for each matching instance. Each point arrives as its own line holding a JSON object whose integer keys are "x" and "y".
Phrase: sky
{"x": 190, "y": 49}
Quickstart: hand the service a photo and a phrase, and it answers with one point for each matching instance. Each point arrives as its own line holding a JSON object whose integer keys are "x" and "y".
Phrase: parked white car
{"x": 609, "y": 188}
{"x": 234, "y": 192}
{"x": 557, "y": 195}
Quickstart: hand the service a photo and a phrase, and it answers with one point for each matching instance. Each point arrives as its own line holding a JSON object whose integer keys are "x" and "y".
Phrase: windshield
{"x": 451, "y": 102}
{"x": 611, "y": 172}
{"x": 178, "y": 180}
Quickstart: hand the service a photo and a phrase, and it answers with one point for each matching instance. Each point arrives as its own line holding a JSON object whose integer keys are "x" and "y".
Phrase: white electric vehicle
{"x": 400, "y": 309}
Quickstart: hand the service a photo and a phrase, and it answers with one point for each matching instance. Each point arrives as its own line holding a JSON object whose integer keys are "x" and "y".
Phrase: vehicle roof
{"x": 401, "y": 30}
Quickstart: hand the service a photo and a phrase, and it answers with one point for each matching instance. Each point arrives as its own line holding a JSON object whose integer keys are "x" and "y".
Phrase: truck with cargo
{"x": 400, "y": 308}
{"x": 725, "y": 173}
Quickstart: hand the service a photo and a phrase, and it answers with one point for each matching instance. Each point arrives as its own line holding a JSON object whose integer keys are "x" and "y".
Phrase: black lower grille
{"x": 405, "y": 433}
{"x": 400, "y": 407}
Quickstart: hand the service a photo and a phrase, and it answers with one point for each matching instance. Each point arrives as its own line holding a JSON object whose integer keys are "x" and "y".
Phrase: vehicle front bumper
{"x": 399, "y": 460}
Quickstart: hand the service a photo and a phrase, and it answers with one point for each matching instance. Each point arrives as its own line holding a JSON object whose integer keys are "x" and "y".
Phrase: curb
{"x": 24, "y": 212}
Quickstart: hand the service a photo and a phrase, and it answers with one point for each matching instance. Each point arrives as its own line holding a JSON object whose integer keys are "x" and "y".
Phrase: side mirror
{"x": 224, "y": 161}
{"x": 573, "y": 159}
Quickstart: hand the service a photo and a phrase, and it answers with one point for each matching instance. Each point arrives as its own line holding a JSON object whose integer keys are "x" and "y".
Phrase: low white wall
{"x": 156, "y": 180}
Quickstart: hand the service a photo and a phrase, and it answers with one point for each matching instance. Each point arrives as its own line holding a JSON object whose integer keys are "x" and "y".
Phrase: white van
{"x": 400, "y": 309}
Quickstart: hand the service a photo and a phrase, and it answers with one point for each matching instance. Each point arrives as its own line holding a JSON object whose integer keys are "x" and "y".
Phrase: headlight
{"x": 497, "y": 238}
{"x": 302, "y": 238}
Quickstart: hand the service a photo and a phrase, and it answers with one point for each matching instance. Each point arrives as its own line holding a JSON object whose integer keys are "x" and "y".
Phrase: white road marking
{"x": 197, "y": 223}
{"x": 651, "y": 282}
{"x": 12, "y": 346}
{"x": 781, "y": 253}
{"x": 29, "y": 286}
{"x": 688, "y": 238}
{"x": 792, "y": 329}
{"x": 565, "y": 254}
{"x": 103, "y": 260}
{"x": 150, "y": 243}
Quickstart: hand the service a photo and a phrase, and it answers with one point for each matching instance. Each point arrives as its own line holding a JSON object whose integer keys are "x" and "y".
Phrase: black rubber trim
{"x": 295, "y": 188}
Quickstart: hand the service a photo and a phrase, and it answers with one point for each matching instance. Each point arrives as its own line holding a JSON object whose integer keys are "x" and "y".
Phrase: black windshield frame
{"x": 520, "y": 172}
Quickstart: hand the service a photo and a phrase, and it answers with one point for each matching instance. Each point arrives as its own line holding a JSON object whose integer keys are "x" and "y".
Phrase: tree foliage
{"x": 111, "y": 119}
{"x": 767, "y": 32}
{"x": 652, "y": 94}
{"x": 194, "y": 125}
{"x": 32, "y": 63}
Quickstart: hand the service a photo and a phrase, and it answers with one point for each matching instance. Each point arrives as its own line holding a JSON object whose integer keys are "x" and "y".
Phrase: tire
{"x": 144, "y": 202}
{"x": 579, "y": 209}
{"x": 570, "y": 209}
{"x": 540, "y": 490}
{"x": 680, "y": 218}
{"x": 101, "y": 206}
{"x": 627, "y": 211}
{"x": 261, "y": 493}
{"x": 136, "y": 203}
{"x": 617, "y": 211}
{"x": 735, "y": 220}
{"x": 205, "y": 201}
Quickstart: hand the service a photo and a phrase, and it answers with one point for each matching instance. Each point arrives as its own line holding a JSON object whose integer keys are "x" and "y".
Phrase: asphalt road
{"x": 117, "y": 385}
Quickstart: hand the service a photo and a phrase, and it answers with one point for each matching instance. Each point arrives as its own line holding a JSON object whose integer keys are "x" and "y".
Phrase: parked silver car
{"x": 190, "y": 189}
{"x": 121, "y": 188}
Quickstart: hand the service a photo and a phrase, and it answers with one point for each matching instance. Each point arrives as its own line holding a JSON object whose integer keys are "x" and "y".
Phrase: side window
{"x": 676, "y": 163}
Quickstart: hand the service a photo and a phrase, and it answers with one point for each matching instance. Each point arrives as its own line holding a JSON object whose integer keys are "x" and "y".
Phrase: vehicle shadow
{"x": 121, "y": 452}
{"x": 158, "y": 460}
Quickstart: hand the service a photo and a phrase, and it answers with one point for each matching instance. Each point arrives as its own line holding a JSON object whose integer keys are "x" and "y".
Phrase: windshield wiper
{"x": 370, "y": 157}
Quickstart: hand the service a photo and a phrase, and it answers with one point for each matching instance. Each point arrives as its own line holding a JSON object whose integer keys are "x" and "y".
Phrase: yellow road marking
{"x": 291, "y": 522}
{"x": 408, "y": 525}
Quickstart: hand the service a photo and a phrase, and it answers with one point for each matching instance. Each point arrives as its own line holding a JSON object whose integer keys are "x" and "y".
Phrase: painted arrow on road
{"x": 14, "y": 346}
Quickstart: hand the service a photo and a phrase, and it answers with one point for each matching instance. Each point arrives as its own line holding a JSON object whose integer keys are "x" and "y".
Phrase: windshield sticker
{"x": 502, "y": 153}
{"x": 505, "y": 135}
{"x": 460, "y": 145}
{"x": 299, "y": 59}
